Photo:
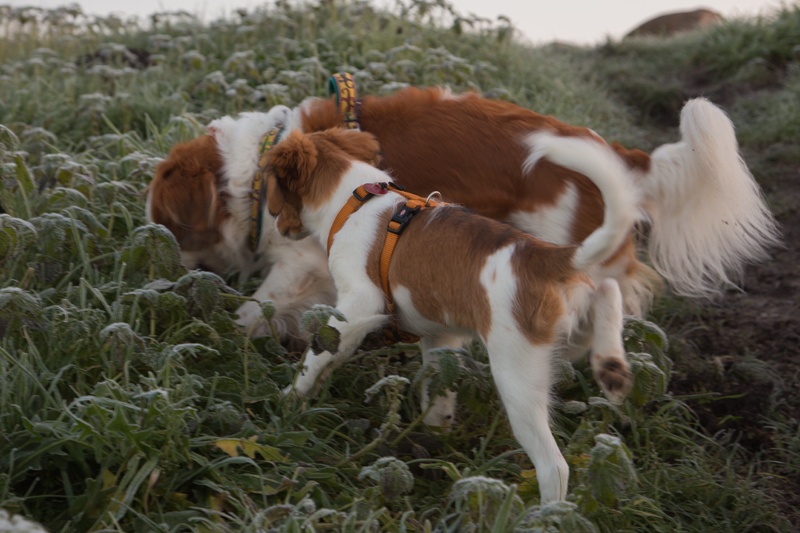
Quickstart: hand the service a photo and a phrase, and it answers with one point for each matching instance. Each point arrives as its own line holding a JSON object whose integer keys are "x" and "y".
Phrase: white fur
{"x": 296, "y": 272}
{"x": 551, "y": 223}
{"x": 708, "y": 215}
{"x": 606, "y": 169}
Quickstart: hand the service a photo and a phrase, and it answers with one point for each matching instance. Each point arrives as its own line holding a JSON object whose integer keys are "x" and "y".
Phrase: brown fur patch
{"x": 541, "y": 269}
{"x": 320, "y": 115}
{"x": 469, "y": 149}
{"x": 439, "y": 259}
{"x": 636, "y": 159}
{"x": 186, "y": 196}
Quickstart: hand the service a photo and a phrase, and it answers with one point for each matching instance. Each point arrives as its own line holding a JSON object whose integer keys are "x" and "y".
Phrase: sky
{"x": 576, "y": 21}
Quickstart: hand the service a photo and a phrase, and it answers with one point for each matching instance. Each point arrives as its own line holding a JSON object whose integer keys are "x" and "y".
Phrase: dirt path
{"x": 745, "y": 349}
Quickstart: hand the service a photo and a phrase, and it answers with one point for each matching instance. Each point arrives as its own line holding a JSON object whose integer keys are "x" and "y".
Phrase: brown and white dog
{"x": 457, "y": 273}
{"x": 706, "y": 212}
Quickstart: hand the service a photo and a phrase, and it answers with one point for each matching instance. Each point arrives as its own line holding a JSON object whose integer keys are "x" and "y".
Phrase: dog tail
{"x": 609, "y": 173}
{"x": 707, "y": 212}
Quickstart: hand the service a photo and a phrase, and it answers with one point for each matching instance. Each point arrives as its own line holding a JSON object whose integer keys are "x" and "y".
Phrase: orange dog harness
{"x": 397, "y": 224}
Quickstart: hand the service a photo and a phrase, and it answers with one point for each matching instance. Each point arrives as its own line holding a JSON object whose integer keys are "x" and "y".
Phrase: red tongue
{"x": 374, "y": 188}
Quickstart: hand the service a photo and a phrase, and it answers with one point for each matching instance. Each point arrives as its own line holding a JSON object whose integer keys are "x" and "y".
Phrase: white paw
{"x": 301, "y": 388}
{"x": 441, "y": 422}
{"x": 442, "y": 415}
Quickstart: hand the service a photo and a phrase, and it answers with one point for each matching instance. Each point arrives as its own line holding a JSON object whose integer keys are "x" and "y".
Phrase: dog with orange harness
{"x": 444, "y": 272}
{"x": 706, "y": 214}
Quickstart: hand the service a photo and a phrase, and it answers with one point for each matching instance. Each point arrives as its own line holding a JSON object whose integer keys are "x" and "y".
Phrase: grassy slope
{"x": 126, "y": 387}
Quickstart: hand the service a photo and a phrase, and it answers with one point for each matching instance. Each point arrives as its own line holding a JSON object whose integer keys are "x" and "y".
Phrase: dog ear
{"x": 359, "y": 145}
{"x": 275, "y": 198}
{"x": 185, "y": 197}
{"x": 292, "y": 162}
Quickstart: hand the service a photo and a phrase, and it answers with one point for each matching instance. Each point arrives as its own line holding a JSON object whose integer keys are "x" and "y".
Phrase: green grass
{"x": 129, "y": 399}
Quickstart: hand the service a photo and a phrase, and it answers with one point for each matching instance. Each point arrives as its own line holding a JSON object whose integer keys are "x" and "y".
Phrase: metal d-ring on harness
{"x": 431, "y": 195}
{"x": 395, "y": 228}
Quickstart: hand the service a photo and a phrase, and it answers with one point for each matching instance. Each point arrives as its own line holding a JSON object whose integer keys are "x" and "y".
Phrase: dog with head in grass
{"x": 454, "y": 273}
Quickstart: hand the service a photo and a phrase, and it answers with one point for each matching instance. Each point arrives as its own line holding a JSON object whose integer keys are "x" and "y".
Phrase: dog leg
{"x": 609, "y": 365}
{"x": 442, "y": 414}
{"x": 362, "y": 308}
{"x": 298, "y": 279}
{"x": 522, "y": 374}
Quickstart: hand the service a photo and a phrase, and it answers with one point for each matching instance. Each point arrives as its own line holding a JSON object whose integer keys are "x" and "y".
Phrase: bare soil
{"x": 738, "y": 359}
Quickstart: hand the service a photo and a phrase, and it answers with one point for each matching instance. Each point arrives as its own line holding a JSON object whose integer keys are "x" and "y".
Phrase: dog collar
{"x": 342, "y": 86}
{"x": 258, "y": 193}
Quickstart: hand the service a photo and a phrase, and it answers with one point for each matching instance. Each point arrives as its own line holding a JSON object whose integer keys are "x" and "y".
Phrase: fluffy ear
{"x": 184, "y": 195}
{"x": 275, "y": 199}
{"x": 292, "y": 161}
{"x": 359, "y": 145}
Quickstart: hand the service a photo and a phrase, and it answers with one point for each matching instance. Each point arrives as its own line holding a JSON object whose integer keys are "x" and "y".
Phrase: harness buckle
{"x": 402, "y": 218}
{"x": 362, "y": 198}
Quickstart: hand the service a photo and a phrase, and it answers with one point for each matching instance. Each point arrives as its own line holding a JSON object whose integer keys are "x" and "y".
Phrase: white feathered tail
{"x": 599, "y": 163}
{"x": 707, "y": 212}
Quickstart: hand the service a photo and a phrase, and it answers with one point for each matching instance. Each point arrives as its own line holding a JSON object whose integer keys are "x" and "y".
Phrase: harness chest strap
{"x": 353, "y": 204}
{"x": 394, "y": 229}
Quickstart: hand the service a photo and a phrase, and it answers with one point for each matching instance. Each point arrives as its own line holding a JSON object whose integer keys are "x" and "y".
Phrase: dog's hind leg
{"x": 442, "y": 413}
{"x": 522, "y": 374}
{"x": 607, "y": 358}
{"x": 363, "y": 311}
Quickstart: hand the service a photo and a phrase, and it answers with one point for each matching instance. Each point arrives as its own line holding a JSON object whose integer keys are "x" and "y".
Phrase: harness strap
{"x": 259, "y": 191}
{"x": 343, "y": 87}
{"x": 394, "y": 229}
{"x": 353, "y": 204}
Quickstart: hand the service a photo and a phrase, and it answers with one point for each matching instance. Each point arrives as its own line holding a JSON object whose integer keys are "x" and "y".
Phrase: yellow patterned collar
{"x": 258, "y": 193}
{"x": 342, "y": 86}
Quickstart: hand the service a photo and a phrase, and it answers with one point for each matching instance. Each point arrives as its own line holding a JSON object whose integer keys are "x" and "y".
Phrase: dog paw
{"x": 302, "y": 388}
{"x": 439, "y": 424}
{"x": 442, "y": 414}
{"x": 614, "y": 376}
